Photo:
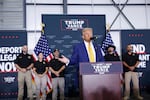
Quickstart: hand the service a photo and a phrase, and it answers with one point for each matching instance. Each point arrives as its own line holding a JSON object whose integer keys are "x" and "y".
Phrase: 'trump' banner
{"x": 10, "y": 47}
{"x": 64, "y": 31}
{"x": 140, "y": 41}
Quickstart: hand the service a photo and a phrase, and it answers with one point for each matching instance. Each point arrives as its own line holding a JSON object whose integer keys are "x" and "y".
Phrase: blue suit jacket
{"x": 80, "y": 54}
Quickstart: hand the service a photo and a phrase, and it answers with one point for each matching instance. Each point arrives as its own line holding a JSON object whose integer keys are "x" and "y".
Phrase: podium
{"x": 100, "y": 81}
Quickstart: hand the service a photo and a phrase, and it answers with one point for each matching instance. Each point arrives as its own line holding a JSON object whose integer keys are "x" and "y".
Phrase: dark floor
{"x": 146, "y": 96}
{"x": 143, "y": 94}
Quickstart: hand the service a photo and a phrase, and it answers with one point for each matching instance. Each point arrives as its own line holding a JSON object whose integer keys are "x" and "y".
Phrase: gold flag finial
{"x": 107, "y": 27}
{"x": 43, "y": 26}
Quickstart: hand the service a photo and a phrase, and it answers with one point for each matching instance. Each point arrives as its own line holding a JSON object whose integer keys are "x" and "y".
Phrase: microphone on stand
{"x": 93, "y": 38}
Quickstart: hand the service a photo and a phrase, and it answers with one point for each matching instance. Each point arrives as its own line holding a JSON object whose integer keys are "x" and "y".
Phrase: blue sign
{"x": 101, "y": 68}
{"x": 10, "y": 47}
{"x": 139, "y": 39}
{"x": 64, "y": 31}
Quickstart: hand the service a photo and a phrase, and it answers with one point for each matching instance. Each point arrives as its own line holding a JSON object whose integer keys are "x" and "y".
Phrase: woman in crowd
{"x": 40, "y": 70}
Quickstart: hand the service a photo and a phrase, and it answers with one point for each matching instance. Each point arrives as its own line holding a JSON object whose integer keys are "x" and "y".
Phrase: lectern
{"x": 100, "y": 81}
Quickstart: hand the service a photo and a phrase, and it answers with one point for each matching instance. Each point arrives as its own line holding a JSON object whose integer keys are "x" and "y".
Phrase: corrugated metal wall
{"x": 12, "y": 15}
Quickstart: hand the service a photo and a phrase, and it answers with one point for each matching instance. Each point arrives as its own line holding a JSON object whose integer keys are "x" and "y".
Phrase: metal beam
{"x": 120, "y": 12}
{"x": 24, "y": 14}
{"x": 65, "y": 9}
{"x": 85, "y": 4}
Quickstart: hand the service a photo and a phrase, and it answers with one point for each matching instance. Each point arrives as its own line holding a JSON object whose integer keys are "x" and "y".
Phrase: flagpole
{"x": 107, "y": 28}
{"x": 146, "y": 13}
{"x": 108, "y": 40}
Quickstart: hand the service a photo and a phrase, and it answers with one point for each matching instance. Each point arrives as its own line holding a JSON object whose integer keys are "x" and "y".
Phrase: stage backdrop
{"x": 10, "y": 47}
{"x": 140, "y": 41}
{"x": 64, "y": 31}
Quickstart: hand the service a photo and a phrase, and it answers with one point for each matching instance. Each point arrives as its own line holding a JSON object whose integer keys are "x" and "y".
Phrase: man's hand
{"x": 56, "y": 73}
{"x": 40, "y": 75}
{"x": 23, "y": 70}
{"x": 132, "y": 68}
{"x": 64, "y": 59}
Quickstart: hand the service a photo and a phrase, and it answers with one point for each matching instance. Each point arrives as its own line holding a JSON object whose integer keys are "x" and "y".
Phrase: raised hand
{"x": 64, "y": 59}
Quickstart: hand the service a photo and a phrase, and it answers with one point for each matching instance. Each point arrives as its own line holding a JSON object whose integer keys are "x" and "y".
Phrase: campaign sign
{"x": 65, "y": 31}
{"x": 100, "y": 68}
{"x": 139, "y": 39}
{"x": 10, "y": 46}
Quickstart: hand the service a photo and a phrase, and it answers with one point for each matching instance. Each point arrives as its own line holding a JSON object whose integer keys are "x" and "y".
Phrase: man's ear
{"x": 82, "y": 37}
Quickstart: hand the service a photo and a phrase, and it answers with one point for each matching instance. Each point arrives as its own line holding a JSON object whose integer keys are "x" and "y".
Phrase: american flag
{"x": 107, "y": 41}
{"x": 42, "y": 46}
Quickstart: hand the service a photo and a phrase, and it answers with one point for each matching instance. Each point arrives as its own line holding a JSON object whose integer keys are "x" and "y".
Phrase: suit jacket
{"x": 80, "y": 54}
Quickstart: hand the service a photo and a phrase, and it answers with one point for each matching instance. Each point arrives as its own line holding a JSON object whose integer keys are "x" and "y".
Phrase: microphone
{"x": 93, "y": 38}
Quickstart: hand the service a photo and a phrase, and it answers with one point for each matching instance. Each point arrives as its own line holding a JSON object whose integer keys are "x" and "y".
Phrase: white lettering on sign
{"x": 143, "y": 56}
{"x": 101, "y": 68}
{"x": 74, "y": 24}
{"x": 9, "y": 79}
{"x": 138, "y": 48}
{"x": 7, "y": 57}
{"x": 7, "y": 67}
{"x": 10, "y": 50}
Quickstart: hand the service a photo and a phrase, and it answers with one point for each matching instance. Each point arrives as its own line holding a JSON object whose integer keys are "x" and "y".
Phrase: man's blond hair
{"x": 86, "y": 29}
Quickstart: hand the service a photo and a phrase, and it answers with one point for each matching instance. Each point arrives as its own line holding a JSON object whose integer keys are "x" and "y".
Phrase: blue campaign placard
{"x": 10, "y": 46}
{"x": 101, "y": 68}
{"x": 139, "y": 39}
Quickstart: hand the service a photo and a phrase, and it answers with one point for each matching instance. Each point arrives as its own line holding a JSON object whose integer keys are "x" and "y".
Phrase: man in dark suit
{"x": 85, "y": 51}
